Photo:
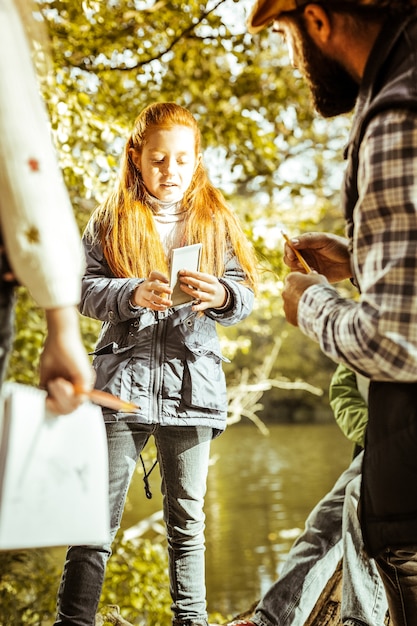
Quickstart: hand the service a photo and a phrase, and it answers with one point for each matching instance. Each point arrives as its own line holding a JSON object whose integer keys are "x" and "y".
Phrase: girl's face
{"x": 168, "y": 162}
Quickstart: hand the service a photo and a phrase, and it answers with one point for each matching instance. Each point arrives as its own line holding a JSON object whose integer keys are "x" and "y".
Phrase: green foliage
{"x": 27, "y": 587}
{"x": 30, "y": 332}
{"x": 112, "y": 58}
{"x": 90, "y": 329}
{"x": 29, "y": 338}
{"x": 137, "y": 579}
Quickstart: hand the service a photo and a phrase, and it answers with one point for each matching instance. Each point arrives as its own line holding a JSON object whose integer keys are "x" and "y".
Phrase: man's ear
{"x": 318, "y": 23}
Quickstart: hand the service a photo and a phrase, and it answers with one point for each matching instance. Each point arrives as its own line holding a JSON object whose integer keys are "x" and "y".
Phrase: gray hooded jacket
{"x": 169, "y": 363}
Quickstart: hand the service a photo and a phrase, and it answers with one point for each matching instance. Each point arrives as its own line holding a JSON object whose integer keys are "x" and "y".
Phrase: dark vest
{"x": 389, "y": 82}
{"x": 389, "y": 483}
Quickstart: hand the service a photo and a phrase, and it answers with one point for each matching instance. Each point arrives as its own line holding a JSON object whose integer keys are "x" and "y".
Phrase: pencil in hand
{"x": 297, "y": 254}
{"x": 108, "y": 400}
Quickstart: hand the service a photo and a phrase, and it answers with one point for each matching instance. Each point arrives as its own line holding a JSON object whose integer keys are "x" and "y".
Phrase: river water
{"x": 260, "y": 491}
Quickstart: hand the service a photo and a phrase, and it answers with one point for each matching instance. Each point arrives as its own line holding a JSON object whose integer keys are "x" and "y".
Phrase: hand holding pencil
{"x": 327, "y": 254}
{"x": 105, "y": 399}
{"x": 303, "y": 262}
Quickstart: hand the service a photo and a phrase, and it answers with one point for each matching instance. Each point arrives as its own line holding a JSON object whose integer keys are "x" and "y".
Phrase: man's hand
{"x": 325, "y": 253}
{"x": 294, "y": 287}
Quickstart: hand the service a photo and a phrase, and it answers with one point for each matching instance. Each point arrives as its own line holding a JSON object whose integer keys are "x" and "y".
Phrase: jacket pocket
{"x": 110, "y": 348}
{"x": 204, "y": 382}
{"x": 116, "y": 371}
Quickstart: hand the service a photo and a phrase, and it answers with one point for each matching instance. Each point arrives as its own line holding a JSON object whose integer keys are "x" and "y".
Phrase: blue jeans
{"x": 183, "y": 455}
{"x": 332, "y": 531}
{"x": 363, "y": 595}
{"x": 398, "y": 569}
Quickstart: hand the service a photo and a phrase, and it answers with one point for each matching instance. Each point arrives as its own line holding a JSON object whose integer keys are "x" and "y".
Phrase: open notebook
{"x": 53, "y": 473}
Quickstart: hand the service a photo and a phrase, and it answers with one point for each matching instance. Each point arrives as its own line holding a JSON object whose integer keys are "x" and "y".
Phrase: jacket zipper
{"x": 158, "y": 352}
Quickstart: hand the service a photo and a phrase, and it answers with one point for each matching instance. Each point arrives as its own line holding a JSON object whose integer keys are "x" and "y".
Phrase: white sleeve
{"x": 36, "y": 217}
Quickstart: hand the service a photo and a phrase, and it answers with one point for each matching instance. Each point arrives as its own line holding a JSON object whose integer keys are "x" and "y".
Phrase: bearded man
{"x": 363, "y": 54}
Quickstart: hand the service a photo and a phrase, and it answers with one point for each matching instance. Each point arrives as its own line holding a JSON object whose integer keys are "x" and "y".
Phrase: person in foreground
{"x": 164, "y": 358}
{"x": 332, "y": 532}
{"x": 365, "y": 54}
{"x": 40, "y": 246}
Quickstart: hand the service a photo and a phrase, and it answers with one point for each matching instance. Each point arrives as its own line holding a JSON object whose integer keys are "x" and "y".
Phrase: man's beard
{"x": 333, "y": 89}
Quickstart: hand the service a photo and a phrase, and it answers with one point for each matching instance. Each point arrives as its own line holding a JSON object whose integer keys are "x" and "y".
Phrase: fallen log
{"x": 327, "y": 609}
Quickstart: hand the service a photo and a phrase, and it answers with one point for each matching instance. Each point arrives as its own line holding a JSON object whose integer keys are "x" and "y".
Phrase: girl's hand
{"x": 207, "y": 291}
{"x": 325, "y": 253}
{"x": 154, "y": 293}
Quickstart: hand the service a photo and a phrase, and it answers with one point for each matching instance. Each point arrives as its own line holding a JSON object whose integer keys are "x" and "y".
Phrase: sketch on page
{"x": 53, "y": 473}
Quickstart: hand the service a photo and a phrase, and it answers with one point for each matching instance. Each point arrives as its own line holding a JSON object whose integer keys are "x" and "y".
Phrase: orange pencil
{"x": 103, "y": 398}
{"x": 297, "y": 254}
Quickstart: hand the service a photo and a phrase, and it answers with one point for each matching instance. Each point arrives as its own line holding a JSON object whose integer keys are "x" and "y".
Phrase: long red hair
{"x": 124, "y": 222}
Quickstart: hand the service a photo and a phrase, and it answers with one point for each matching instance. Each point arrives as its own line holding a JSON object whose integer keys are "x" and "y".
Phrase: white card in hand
{"x": 185, "y": 258}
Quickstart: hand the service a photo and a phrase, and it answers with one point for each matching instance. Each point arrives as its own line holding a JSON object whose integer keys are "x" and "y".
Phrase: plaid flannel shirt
{"x": 377, "y": 335}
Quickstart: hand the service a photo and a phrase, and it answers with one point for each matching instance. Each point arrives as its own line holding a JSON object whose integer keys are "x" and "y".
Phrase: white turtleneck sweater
{"x": 169, "y": 219}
